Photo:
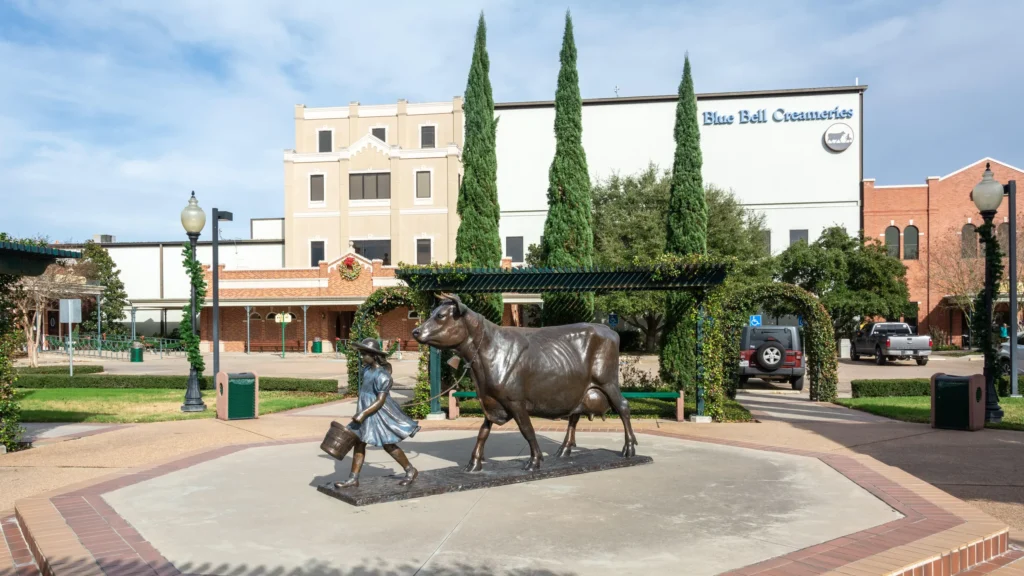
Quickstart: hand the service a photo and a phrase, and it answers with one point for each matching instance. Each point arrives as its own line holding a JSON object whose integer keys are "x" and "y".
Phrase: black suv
{"x": 772, "y": 353}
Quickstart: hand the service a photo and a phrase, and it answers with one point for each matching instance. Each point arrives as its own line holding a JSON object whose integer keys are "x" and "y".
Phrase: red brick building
{"x": 932, "y": 228}
{"x": 322, "y": 300}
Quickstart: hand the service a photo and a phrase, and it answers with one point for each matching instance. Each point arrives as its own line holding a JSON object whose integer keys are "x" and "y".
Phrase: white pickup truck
{"x": 890, "y": 341}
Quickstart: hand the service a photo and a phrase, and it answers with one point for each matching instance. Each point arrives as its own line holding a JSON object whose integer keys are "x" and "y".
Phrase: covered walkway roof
{"x": 29, "y": 260}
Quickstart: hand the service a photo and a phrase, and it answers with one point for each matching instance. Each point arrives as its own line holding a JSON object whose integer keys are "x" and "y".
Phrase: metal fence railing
{"x": 114, "y": 347}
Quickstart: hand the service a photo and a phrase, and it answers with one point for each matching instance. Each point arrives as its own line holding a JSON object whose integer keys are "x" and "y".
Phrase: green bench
{"x": 453, "y": 400}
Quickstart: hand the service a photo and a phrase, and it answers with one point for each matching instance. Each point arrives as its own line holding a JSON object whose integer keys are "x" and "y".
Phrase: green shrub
{"x": 1003, "y": 385}
{"x": 164, "y": 382}
{"x": 891, "y": 387}
{"x": 83, "y": 369}
{"x": 299, "y": 384}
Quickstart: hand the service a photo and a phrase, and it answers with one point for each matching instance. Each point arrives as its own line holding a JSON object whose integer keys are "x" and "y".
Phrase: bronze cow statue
{"x": 554, "y": 372}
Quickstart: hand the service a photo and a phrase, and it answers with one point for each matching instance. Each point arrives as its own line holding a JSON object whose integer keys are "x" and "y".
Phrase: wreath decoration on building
{"x": 350, "y": 268}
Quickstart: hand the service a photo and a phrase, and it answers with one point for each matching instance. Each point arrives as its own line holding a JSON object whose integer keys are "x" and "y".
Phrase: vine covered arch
{"x": 778, "y": 298}
{"x": 364, "y": 325}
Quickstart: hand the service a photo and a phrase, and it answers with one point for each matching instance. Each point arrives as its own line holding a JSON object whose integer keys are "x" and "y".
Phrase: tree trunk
{"x": 651, "y": 334}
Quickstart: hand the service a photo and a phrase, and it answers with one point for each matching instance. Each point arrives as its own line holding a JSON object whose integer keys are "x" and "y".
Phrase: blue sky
{"x": 112, "y": 112}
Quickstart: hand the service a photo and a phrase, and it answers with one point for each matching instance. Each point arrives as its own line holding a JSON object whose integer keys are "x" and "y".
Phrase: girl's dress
{"x": 389, "y": 425}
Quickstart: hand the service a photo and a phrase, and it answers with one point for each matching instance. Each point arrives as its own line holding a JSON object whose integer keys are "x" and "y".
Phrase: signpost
{"x": 755, "y": 320}
{"x": 71, "y": 312}
{"x": 613, "y": 319}
{"x": 283, "y": 318}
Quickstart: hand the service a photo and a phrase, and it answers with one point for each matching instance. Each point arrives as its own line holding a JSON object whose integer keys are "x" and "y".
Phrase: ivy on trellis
{"x": 981, "y": 322}
{"x": 364, "y": 325}
{"x": 730, "y": 306}
{"x": 191, "y": 341}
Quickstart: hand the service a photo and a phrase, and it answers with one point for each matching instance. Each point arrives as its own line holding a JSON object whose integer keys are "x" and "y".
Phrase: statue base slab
{"x": 377, "y": 490}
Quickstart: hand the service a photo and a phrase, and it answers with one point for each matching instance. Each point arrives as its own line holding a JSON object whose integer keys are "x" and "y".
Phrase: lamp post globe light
{"x": 193, "y": 219}
{"x": 987, "y": 195}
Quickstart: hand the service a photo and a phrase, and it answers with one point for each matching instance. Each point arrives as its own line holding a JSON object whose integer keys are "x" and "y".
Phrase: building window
{"x": 1003, "y": 234}
{"x": 423, "y": 184}
{"x": 374, "y": 250}
{"x": 969, "y": 241}
{"x": 910, "y": 235}
{"x": 427, "y": 136}
{"x": 316, "y": 188}
{"x": 460, "y": 182}
{"x": 413, "y": 315}
{"x": 380, "y": 133}
{"x": 376, "y": 186}
{"x": 316, "y": 253}
{"x": 254, "y": 316}
{"x": 325, "y": 140}
{"x": 892, "y": 241}
{"x": 423, "y": 251}
{"x": 797, "y": 236}
{"x": 514, "y": 248}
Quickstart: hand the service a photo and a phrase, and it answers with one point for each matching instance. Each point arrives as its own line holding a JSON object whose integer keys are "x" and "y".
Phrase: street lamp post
{"x": 218, "y": 217}
{"x": 987, "y": 195}
{"x": 193, "y": 219}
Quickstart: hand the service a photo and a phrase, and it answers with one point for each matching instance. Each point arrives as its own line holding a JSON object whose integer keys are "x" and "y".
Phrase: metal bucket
{"x": 339, "y": 441}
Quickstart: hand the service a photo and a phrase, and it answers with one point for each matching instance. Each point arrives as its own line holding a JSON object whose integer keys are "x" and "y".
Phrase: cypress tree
{"x": 686, "y": 233}
{"x": 478, "y": 242}
{"x": 568, "y": 236}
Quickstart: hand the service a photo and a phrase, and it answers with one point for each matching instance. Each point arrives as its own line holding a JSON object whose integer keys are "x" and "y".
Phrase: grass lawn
{"x": 120, "y": 405}
{"x": 638, "y": 408}
{"x": 918, "y": 409}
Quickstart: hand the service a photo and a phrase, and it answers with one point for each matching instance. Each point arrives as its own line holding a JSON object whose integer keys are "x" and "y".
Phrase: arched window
{"x": 910, "y": 243}
{"x": 892, "y": 241}
{"x": 254, "y": 316}
{"x": 271, "y": 317}
{"x": 1003, "y": 235}
{"x": 969, "y": 241}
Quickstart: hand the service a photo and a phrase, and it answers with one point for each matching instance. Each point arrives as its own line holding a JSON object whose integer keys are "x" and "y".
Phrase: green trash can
{"x": 136, "y": 351}
{"x": 318, "y": 346}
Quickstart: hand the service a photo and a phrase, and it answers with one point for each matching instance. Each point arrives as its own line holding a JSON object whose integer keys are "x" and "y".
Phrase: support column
{"x": 701, "y": 314}
{"x": 133, "y": 322}
{"x": 435, "y": 385}
{"x": 248, "y": 313}
{"x": 305, "y": 333}
{"x": 99, "y": 324}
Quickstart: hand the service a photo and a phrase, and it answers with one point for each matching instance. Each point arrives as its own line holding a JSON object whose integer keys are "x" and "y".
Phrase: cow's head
{"x": 446, "y": 327}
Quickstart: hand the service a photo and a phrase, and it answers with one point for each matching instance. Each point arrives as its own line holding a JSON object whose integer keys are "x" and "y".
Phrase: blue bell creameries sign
{"x": 779, "y": 115}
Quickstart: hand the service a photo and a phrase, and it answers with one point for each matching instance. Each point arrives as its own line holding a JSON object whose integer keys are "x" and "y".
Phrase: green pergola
{"x": 697, "y": 278}
{"x": 27, "y": 260}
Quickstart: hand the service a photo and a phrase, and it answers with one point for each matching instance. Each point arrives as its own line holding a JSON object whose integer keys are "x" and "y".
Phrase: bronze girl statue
{"x": 379, "y": 420}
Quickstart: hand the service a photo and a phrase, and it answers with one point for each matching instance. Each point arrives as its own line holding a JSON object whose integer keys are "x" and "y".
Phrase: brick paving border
{"x": 15, "y": 555}
{"x": 939, "y": 535}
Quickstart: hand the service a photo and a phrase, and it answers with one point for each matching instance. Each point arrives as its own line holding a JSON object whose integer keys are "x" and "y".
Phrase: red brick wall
{"x": 939, "y": 208}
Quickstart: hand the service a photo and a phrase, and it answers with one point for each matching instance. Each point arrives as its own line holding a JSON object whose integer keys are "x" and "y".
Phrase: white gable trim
{"x": 972, "y": 165}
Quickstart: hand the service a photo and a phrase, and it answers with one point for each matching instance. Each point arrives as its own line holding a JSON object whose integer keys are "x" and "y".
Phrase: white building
{"x": 154, "y": 274}
{"x": 795, "y": 155}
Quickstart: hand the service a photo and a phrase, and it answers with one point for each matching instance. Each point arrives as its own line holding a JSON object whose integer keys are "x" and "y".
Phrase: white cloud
{"x": 112, "y": 112}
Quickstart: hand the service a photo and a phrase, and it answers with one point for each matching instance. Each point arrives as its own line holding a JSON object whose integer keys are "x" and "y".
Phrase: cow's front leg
{"x": 476, "y": 462}
{"x": 570, "y": 438}
{"x": 526, "y": 427}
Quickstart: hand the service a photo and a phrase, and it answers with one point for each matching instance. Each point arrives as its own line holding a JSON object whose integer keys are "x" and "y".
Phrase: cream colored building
{"x": 382, "y": 181}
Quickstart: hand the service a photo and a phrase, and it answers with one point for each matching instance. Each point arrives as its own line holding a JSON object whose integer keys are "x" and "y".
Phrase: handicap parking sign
{"x": 613, "y": 319}
{"x": 755, "y": 319}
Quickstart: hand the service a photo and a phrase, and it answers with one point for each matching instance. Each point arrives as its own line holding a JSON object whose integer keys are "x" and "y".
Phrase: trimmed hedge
{"x": 893, "y": 387}
{"x": 83, "y": 369}
{"x": 916, "y": 387}
{"x": 164, "y": 382}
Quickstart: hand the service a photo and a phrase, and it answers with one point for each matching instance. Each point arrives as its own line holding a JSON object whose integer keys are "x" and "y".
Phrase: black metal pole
{"x": 193, "y": 396}
{"x": 216, "y": 297}
{"x": 993, "y": 413}
{"x": 1011, "y": 194}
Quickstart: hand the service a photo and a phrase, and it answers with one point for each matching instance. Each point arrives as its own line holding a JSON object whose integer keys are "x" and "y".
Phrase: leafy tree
{"x": 628, "y": 226}
{"x": 854, "y": 279}
{"x": 686, "y": 229}
{"x": 100, "y": 267}
{"x": 478, "y": 242}
{"x": 10, "y": 412}
{"x": 568, "y": 235}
